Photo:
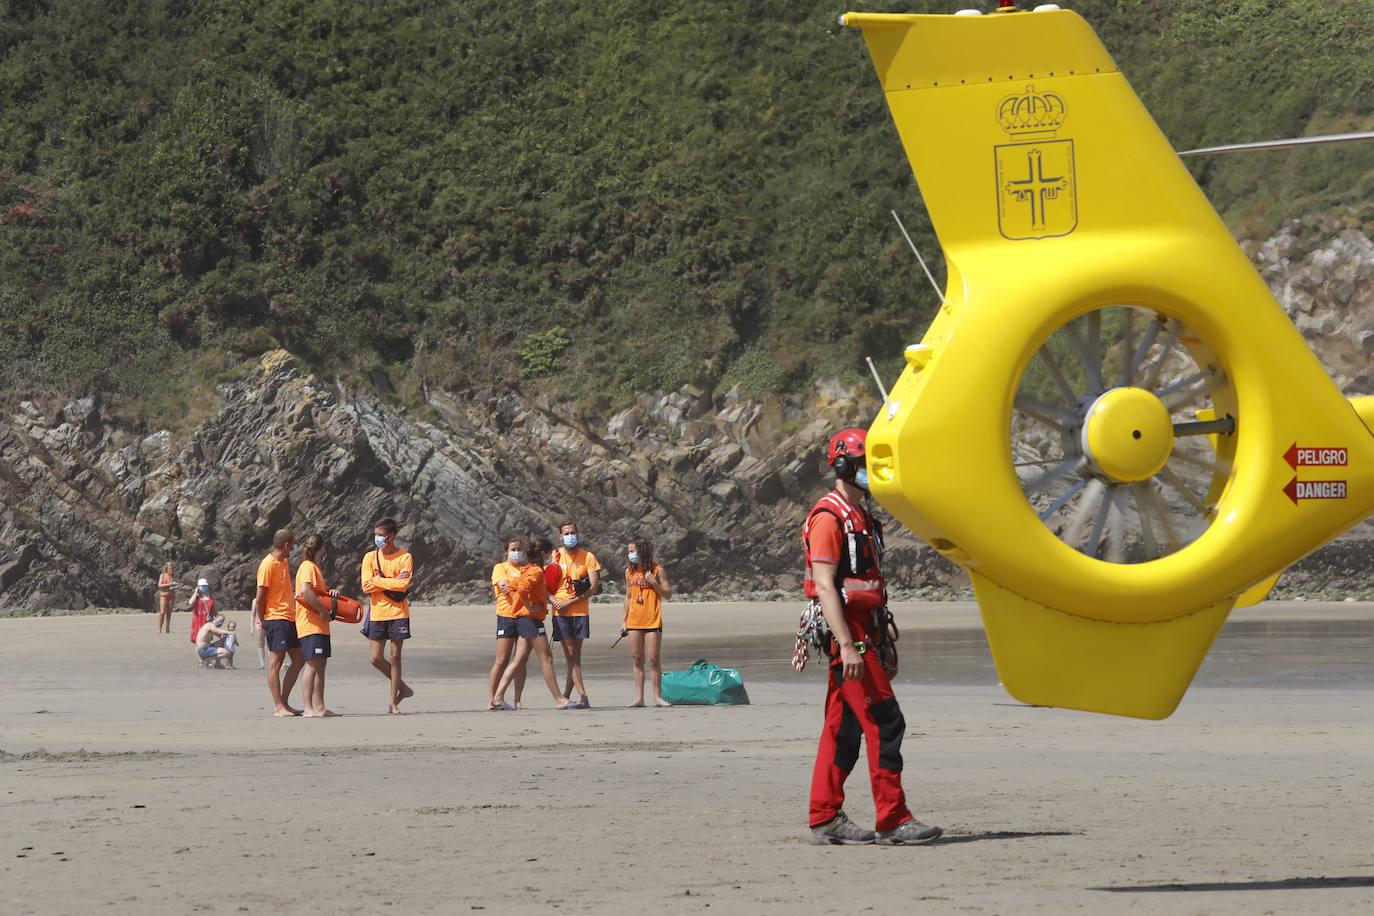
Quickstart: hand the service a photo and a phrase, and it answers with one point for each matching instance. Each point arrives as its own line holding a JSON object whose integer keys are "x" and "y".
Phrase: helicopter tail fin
{"x": 1046, "y": 658}
{"x": 1023, "y": 108}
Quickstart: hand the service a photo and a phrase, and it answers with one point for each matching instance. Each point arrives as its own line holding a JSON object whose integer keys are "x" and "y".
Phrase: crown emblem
{"x": 1031, "y": 113}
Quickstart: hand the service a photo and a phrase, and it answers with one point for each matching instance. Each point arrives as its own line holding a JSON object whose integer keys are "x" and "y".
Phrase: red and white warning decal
{"x": 1316, "y": 457}
{"x": 1314, "y": 489}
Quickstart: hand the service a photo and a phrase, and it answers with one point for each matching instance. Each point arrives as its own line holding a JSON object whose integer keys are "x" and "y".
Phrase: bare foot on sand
{"x": 396, "y": 710}
{"x": 308, "y": 714}
{"x": 286, "y": 712}
{"x": 404, "y": 693}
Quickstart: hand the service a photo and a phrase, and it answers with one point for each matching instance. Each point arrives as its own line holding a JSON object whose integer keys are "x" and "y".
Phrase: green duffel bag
{"x": 704, "y": 684}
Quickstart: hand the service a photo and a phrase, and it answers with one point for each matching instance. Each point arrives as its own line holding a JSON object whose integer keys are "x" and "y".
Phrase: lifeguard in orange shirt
{"x": 571, "y": 624}
{"x": 276, "y": 605}
{"x": 646, "y": 588}
{"x": 312, "y": 624}
{"x": 521, "y": 597}
{"x": 386, "y": 575}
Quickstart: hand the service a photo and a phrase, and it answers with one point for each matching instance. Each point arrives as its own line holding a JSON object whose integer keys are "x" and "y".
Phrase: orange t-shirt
{"x": 384, "y": 572}
{"x": 308, "y": 620}
{"x": 826, "y": 542}
{"x": 646, "y": 604}
{"x": 275, "y": 576}
{"x": 575, "y": 564}
{"x": 528, "y": 593}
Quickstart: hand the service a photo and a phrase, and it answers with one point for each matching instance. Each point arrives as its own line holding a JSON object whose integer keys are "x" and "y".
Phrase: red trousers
{"x": 865, "y": 709}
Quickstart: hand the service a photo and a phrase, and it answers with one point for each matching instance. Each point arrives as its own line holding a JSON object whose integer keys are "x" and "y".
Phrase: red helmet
{"x": 848, "y": 442}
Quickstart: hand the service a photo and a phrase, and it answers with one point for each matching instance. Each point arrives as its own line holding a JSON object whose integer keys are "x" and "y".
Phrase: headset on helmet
{"x": 847, "y": 452}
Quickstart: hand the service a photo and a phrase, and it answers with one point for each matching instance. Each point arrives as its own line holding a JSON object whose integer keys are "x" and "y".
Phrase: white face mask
{"x": 516, "y": 556}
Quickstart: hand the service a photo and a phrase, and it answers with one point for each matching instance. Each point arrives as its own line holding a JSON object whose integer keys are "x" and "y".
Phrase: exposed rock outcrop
{"x": 90, "y": 512}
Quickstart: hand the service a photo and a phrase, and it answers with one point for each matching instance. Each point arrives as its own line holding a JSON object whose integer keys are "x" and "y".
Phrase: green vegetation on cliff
{"x": 609, "y": 195}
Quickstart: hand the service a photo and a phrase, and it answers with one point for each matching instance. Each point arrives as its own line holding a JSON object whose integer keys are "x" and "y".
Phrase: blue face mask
{"x": 634, "y": 557}
{"x": 861, "y": 479}
{"x": 379, "y": 540}
{"x": 570, "y": 541}
{"x": 204, "y": 588}
{"x": 516, "y": 556}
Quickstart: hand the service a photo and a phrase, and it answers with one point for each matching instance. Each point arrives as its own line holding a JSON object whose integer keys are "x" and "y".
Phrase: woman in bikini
{"x": 166, "y": 590}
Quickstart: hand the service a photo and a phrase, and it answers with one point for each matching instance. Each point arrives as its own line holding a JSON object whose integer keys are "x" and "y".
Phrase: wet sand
{"x": 134, "y": 782}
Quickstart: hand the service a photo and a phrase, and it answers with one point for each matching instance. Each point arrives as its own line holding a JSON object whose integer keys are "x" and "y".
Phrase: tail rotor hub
{"x": 1127, "y": 434}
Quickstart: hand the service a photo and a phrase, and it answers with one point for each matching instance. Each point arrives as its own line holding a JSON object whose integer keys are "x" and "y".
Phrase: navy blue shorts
{"x": 208, "y": 651}
{"x": 382, "y": 630}
{"x": 316, "y": 645}
{"x": 506, "y": 628}
{"x": 572, "y": 627}
{"x": 529, "y": 627}
{"x": 281, "y": 635}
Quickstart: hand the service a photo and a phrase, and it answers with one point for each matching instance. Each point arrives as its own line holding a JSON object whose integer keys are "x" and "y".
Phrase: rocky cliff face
{"x": 1328, "y": 291}
{"x": 91, "y": 512}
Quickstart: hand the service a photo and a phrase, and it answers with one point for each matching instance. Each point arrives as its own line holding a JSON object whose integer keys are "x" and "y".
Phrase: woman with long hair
{"x": 166, "y": 589}
{"x": 521, "y": 605}
{"x": 525, "y": 586}
{"x": 312, "y": 624}
{"x": 646, "y": 588}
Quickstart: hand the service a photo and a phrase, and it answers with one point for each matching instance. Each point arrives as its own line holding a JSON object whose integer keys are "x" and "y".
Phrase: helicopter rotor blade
{"x": 1290, "y": 143}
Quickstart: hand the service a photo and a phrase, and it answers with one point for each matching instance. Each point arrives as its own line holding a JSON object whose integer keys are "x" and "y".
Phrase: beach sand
{"x": 134, "y": 782}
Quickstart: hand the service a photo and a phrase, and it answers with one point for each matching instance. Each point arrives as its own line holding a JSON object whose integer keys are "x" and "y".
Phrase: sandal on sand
{"x": 569, "y": 704}
{"x": 500, "y": 707}
{"x": 662, "y": 703}
{"x": 639, "y": 705}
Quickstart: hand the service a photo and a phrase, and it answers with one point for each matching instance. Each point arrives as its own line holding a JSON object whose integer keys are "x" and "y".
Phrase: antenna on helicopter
{"x": 1280, "y": 144}
{"x": 935, "y": 286}
{"x": 891, "y": 407}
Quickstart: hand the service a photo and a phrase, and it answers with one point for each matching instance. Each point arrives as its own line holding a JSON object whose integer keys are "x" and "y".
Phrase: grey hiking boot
{"x": 907, "y": 833}
{"x": 840, "y": 831}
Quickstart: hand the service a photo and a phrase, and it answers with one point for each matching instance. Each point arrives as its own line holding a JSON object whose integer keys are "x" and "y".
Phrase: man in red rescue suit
{"x": 843, "y": 550}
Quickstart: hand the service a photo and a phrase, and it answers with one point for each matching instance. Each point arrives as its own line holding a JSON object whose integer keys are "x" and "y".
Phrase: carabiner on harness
{"x": 885, "y": 636}
{"x": 813, "y": 636}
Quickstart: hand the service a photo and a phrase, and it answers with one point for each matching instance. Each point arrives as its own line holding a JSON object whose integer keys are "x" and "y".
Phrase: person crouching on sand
{"x": 646, "y": 588}
{"x": 521, "y": 605}
{"x": 209, "y": 649}
{"x": 312, "y": 624}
